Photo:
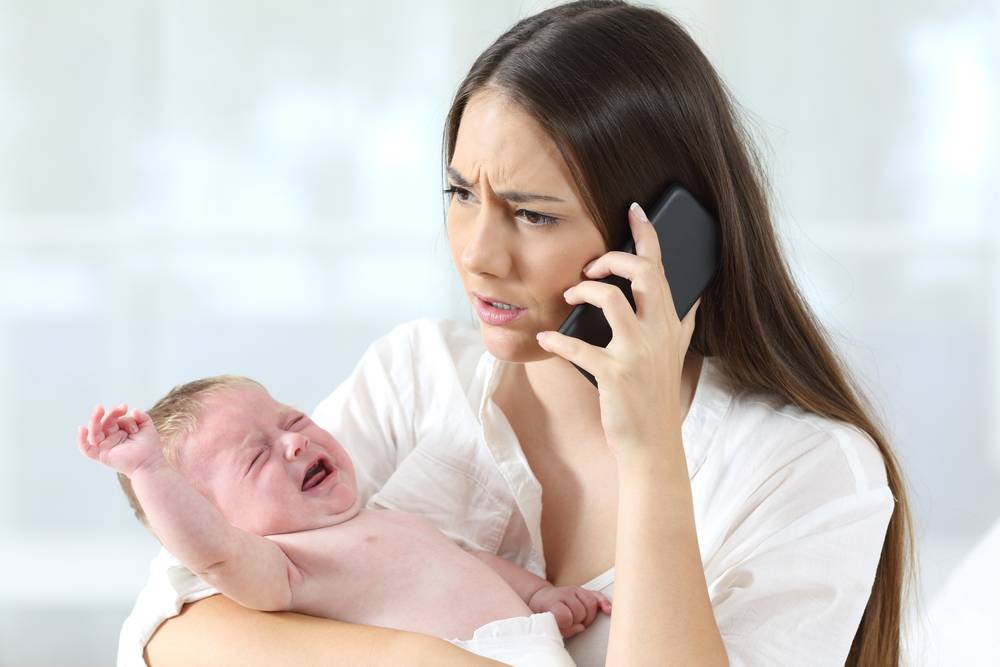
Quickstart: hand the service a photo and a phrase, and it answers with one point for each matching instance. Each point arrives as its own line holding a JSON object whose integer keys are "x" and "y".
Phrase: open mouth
{"x": 316, "y": 473}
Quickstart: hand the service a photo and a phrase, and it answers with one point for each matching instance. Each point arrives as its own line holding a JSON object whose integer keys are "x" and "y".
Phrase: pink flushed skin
{"x": 495, "y": 316}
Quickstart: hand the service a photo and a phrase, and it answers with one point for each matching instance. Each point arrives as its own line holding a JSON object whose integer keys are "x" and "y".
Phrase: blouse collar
{"x": 712, "y": 398}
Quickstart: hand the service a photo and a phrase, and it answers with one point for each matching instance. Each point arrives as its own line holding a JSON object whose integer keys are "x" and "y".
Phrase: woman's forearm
{"x": 217, "y": 631}
{"x": 663, "y": 615}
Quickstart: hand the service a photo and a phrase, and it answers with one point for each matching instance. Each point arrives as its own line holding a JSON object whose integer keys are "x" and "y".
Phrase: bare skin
{"x": 544, "y": 257}
{"x": 499, "y": 252}
{"x": 574, "y": 467}
{"x": 272, "y": 468}
{"x": 553, "y": 409}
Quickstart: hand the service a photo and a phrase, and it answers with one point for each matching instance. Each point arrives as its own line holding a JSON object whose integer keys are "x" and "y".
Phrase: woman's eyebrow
{"x": 516, "y": 197}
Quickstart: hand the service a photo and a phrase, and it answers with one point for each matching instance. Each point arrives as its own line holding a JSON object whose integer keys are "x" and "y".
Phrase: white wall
{"x": 189, "y": 188}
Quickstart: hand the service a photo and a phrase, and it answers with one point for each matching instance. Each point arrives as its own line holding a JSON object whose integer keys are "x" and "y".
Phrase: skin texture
{"x": 663, "y": 614}
{"x": 499, "y": 251}
{"x": 267, "y": 500}
{"x": 503, "y": 252}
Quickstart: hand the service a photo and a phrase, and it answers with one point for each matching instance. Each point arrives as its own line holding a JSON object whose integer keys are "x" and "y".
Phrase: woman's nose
{"x": 485, "y": 248}
{"x": 295, "y": 445}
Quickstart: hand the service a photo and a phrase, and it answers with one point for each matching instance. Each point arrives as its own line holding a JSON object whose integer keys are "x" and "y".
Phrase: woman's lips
{"x": 495, "y": 316}
{"x": 488, "y": 298}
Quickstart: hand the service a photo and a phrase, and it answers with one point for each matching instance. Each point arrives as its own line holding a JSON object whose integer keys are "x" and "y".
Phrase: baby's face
{"x": 267, "y": 467}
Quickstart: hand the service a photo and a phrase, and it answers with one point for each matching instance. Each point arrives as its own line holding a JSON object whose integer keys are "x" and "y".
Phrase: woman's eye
{"x": 455, "y": 190}
{"x": 534, "y": 219}
{"x": 544, "y": 219}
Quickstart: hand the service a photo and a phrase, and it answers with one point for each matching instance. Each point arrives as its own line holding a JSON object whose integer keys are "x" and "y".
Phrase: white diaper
{"x": 522, "y": 641}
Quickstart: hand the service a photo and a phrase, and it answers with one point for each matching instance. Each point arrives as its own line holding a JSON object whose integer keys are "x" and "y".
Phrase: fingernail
{"x": 638, "y": 210}
{"x": 540, "y": 336}
{"x": 589, "y": 265}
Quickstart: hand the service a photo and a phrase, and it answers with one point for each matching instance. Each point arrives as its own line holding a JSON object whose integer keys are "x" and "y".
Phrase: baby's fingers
{"x": 575, "y": 605}
{"x": 110, "y": 420}
{"x": 589, "y": 601}
{"x": 97, "y": 433}
{"x": 605, "y": 602}
{"x": 140, "y": 417}
{"x": 88, "y": 450}
{"x": 128, "y": 425}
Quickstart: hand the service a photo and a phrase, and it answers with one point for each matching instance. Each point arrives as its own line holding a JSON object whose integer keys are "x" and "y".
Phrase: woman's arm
{"x": 663, "y": 614}
{"x": 217, "y": 631}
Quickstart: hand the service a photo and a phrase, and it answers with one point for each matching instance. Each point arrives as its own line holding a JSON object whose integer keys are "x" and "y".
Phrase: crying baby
{"x": 262, "y": 504}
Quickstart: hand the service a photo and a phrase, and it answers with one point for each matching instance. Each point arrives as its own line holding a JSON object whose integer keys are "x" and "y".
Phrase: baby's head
{"x": 267, "y": 467}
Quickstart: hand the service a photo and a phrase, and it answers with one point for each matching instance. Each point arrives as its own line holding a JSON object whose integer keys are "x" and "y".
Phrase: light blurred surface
{"x": 191, "y": 188}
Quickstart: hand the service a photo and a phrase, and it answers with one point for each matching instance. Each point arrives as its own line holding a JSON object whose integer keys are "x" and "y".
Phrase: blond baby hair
{"x": 175, "y": 416}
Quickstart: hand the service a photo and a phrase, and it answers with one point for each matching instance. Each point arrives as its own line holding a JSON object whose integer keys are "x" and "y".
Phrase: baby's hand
{"x": 124, "y": 443}
{"x": 574, "y": 608}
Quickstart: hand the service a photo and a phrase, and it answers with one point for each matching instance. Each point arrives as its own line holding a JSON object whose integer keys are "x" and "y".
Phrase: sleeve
{"x": 795, "y": 570}
{"x": 371, "y": 412}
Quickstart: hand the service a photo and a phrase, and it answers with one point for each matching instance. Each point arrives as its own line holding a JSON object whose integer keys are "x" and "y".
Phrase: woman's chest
{"x": 579, "y": 483}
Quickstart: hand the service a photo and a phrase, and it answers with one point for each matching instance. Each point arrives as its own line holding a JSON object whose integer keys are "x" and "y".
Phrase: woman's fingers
{"x": 610, "y": 300}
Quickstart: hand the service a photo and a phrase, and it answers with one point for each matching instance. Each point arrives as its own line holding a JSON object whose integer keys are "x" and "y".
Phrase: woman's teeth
{"x": 502, "y": 306}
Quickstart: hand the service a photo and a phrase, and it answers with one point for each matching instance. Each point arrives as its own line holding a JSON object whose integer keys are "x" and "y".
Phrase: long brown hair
{"x": 633, "y": 104}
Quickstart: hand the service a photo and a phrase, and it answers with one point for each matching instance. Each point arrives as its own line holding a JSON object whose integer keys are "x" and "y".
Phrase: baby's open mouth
{"x": 316, "y": 473}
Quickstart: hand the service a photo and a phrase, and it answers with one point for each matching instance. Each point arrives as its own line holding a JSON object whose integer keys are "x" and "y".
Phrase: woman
{"x": 738, "y": 420}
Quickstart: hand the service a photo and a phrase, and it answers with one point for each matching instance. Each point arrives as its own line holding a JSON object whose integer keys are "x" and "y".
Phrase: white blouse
{"x": 791, "y": 508}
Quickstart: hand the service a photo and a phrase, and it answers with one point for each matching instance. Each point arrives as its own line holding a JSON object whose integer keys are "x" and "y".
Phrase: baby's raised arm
{"x": 250, "y": 569}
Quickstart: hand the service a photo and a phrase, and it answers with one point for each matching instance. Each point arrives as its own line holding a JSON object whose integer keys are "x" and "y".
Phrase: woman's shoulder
{"x": 427, "y": 340}
{"x": 427, "y": 355}
{"x": 769, "y": 437}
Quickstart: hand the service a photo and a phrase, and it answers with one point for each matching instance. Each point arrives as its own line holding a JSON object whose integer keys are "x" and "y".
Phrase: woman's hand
{"x": 639, "y": 372}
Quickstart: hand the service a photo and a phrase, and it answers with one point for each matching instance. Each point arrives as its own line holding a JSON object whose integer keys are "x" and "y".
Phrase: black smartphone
{"x": 689, "y": 245}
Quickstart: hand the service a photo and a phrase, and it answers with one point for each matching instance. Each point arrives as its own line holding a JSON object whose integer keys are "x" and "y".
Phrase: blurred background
{"x": 191, "y": 188}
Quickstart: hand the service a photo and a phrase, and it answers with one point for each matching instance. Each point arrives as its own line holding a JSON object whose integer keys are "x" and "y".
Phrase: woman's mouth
{"x": 496, "y": 313}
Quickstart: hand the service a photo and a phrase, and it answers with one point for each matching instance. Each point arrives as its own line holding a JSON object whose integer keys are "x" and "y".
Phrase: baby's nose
{"x": 295, "y": 444}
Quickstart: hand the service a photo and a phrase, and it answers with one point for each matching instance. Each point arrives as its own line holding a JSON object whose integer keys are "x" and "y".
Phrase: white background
{"x": 191, "y": 188}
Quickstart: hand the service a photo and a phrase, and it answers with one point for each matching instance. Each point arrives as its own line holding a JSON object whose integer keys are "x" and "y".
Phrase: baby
{"x": 262, "y": 504}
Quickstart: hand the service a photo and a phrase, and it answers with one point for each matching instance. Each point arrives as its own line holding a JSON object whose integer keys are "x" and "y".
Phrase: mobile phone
{"x": 689, "y": 246}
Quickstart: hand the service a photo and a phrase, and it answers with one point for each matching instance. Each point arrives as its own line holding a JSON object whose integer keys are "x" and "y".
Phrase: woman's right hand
{"x": 217, "y": 631}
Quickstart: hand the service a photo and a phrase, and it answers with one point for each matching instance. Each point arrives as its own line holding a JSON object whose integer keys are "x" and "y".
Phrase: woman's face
{"x": 516, "y": 225}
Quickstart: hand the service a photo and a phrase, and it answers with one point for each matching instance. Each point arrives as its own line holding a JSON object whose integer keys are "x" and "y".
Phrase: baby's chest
{"x": 380, "y": 556}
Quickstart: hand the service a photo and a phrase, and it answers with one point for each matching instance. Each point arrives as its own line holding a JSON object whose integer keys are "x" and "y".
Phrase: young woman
{"x": 727, "y": 485}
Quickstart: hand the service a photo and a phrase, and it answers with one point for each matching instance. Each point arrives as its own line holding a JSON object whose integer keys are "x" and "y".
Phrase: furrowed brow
{"x": 511, "y": 196}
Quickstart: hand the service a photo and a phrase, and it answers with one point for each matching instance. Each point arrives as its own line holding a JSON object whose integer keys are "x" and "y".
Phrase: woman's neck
{"x": 554, "y": 391}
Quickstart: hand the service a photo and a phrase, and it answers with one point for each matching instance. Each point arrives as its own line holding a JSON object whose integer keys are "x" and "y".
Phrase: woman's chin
{"x": 519, "y": 346}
